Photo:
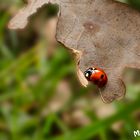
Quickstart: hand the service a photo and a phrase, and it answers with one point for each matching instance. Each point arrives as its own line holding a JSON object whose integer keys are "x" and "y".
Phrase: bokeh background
{"x": 40, "y": 95}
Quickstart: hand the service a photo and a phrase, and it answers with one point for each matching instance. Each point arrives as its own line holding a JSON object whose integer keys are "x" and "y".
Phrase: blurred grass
{"x": 87, "y": 132}
{"x": 30, "y": 75}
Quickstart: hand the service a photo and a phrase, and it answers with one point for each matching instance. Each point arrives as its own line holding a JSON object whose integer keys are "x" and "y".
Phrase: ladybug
{"x": 97, "y": 76}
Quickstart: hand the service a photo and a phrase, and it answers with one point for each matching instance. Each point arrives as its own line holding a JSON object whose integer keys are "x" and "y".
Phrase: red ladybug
{"x": 97, "y": 76}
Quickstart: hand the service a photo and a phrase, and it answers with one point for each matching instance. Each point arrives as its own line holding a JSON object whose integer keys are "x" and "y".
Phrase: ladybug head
{"x": 88, "y": 73}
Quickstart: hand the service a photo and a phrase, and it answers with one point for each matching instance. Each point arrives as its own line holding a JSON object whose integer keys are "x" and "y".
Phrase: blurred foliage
{"x": 31, "y": 71}
{"x": 134, "y": 3}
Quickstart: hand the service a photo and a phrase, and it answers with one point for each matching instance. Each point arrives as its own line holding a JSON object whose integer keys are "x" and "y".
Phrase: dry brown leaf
{"x": 103, "y": 33}
{"x": 21, "y": 18}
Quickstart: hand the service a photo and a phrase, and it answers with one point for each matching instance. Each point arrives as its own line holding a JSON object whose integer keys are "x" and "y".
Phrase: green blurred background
{"x": 40, "y": 95}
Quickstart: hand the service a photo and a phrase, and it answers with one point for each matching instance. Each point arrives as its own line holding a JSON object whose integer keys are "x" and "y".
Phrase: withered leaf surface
{"x": 102, "y": 33}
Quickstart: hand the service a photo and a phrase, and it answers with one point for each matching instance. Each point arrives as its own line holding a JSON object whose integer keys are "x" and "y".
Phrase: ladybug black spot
{"x": 102, "y": 76}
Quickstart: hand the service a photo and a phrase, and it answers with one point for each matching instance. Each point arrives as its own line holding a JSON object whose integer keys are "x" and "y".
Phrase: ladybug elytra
{"x": 97, "y": 76}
